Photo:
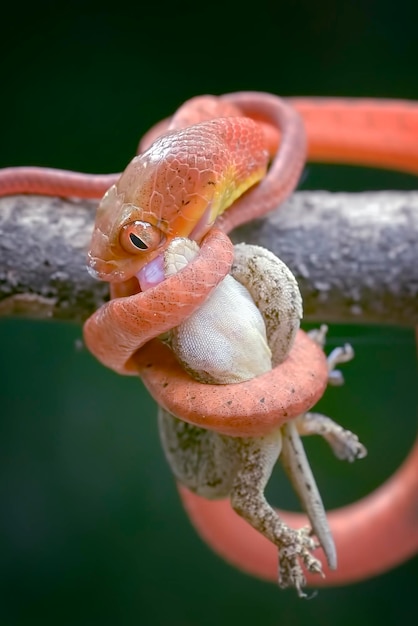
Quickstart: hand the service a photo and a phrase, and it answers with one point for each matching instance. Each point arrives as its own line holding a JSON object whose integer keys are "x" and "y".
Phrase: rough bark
{"x": 354, "y": 255}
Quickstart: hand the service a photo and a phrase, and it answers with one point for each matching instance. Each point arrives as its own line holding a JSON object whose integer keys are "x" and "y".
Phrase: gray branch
{"x": 354, "y": 255}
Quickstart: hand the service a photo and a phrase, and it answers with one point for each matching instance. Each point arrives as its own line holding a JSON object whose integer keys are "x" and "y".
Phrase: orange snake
{"x": 382, "y": 527}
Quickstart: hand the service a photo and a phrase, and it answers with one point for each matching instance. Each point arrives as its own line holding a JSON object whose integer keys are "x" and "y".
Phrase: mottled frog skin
{"x": 247, "y": 326}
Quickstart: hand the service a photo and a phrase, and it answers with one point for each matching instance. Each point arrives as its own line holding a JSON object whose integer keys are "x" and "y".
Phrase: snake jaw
{"x": 118, "y": 270}
{"x": 152, "y": 273}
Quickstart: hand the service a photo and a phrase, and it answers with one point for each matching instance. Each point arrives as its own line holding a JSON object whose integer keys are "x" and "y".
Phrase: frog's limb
{"x": 345, "y": 444}
{"x": 339, "y": 355}
{"x": 215, "y": 466}
{"x": 258, "y": 457}
{"x": 319, "y": 335}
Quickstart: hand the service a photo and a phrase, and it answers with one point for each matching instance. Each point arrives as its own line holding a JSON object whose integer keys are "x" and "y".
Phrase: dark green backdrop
{"x": 91, "y": 528}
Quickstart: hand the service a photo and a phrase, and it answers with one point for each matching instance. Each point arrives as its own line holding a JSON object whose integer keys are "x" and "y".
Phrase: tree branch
{"x": 354, "y": 255}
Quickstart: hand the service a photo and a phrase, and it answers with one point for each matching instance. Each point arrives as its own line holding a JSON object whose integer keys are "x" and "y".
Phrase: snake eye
{"x": 137, "y": 237}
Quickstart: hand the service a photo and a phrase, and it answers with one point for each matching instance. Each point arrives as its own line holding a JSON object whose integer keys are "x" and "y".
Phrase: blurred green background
{"x": 91, "y": 527}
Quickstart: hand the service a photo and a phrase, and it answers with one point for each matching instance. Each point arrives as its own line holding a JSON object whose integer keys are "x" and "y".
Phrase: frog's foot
{"x": 257, "y": 457}
{"x": 319, "y": 335}
{"x": 339, "y": 355}
{"x": 344, "y": 443}
{"x": 296, "y": 546}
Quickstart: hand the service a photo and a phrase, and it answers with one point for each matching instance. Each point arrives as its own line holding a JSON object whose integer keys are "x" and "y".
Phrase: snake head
{"x": 176, "y": 188}
{"x": 122, "y": 242}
